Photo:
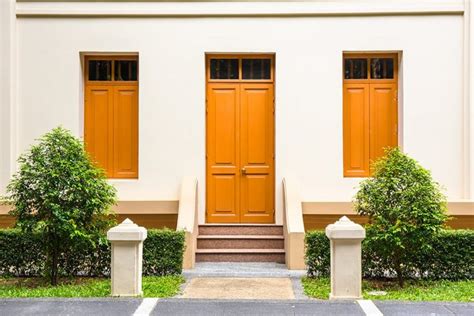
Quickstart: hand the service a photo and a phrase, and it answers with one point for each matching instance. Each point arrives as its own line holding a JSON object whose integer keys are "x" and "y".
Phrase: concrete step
{"x": 240, "y": 229}
{"x": 240, "y": 241}
{"x": 243, "y": 270}
{"x": 240, "y": 255}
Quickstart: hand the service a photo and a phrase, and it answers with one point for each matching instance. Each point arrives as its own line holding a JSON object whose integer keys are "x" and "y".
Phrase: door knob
{"x": 244, "y": 171}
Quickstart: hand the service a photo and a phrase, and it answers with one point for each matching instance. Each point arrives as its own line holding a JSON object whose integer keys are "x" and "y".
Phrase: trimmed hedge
{"x": 163, "y": 252}
{"x": 317, "y": 251}
{"x": 451, "y": 258}
{"x": 24, "y": 255}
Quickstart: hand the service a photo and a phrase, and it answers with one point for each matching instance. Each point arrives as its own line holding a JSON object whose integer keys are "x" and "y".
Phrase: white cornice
{"x": 216, "y": 9}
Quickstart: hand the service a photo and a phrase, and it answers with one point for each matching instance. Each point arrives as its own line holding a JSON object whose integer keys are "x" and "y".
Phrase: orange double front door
{"x": 240, "y": 150}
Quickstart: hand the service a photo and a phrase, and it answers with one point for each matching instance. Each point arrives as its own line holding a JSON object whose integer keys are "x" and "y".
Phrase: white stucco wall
{"x": 308, "y": 91}
{"x": 7, "y": 45}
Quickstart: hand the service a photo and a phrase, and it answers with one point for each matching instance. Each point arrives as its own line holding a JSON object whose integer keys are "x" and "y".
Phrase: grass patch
{"x": 317, "y": 287}
{"x": 165, "y": 286}
{"x": 414, "y": 290}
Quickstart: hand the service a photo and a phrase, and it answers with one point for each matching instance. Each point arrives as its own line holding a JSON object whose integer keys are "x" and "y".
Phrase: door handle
{"x": 243, "y": 170}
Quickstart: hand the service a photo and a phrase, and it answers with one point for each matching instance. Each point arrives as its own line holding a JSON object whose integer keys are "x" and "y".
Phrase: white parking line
{"x": 369, "y": 308}
{"x": 146, "y": 307}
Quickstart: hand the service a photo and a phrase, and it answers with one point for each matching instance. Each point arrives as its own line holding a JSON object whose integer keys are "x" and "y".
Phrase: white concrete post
{"x": 127, "y": 252}
{"x": 346, "y": 262}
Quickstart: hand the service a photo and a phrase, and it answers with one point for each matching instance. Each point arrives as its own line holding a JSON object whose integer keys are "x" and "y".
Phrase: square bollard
{"x": 127, "y": 252}
{"x": 346, "y": 262}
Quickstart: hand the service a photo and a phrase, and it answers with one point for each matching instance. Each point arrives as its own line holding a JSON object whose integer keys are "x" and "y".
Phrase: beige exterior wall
{"x": 7, "y": 89}
{"x": 308, "y": 39}
{"x": 317, "y": 215}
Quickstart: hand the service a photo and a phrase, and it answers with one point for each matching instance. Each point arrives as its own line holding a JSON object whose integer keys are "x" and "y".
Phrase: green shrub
{"x": 317, "y": 253}
{"x": 21, "y": 254}
{"x": 24, "y": 254}
{"x": 59, "y": 194}
{"x": 163, "y": 252}
{"x": 375, "y": 265}
{"x": 406, "y": 209}
{"x": 451, "y": 257}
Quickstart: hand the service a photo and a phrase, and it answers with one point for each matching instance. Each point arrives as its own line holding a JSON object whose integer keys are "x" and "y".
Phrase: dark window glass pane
{"x": 256, "y": 69}
{"x": 125, "y": 70}
{"x": 100, "y": 70}
{"x": 355, "y": 68}
{"x": 381, "y": 68}
{"x": 224, "y": 69}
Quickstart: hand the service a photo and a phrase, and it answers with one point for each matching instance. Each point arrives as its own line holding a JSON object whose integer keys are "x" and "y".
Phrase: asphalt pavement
{"x": 196, "y": 307}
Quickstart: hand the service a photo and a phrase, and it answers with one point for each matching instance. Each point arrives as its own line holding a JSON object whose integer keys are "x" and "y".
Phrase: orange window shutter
{"x": 356, "y": 129}
{"x": 383, "y": 118}
{"x": 125, "y": 132}
{"x": 98, "y": 125}
{"x": 111, "y": 113}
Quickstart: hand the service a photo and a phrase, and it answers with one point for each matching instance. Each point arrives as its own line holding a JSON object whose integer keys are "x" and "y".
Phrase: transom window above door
{"x": 240, "y": 68}
{"x": 112, "y": 69}
{"x": 367, "y": 68}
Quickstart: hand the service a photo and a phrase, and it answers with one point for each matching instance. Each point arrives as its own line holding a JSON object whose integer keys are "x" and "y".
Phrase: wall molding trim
{"x": 455, "y": 207}
{"x": 132, "y": 207}
{"x": 235, "y": 9}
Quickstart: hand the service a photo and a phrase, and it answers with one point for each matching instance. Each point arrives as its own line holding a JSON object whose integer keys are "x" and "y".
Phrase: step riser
{"x": 230, "y": 257}
{"x": 240, "y": 230}
{"x": 240, "y": 243}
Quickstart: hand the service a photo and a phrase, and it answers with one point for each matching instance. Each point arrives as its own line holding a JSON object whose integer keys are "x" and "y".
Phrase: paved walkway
{"x": 243, "y": 280}
{"x": 192, "y": 307}
{"x": 240, "y": 288}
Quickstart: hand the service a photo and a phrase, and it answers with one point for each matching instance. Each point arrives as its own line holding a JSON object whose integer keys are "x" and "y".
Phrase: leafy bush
{"x": 163, "y": 252}
{"x": 61, "y": 195}
{"x": 451, "y": 257}
{"x": 406, "y": 209}
{"x": 21, "y": 254}
{"x": 317, "y": 258}
{"x": 24, "y": 254}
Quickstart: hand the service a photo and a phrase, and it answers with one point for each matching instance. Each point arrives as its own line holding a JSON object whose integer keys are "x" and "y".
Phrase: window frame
{"x": 112, "y": 58}
{"x": 270, "y": 56}
{"x": 368, "y": 81}
{"x": 368, "y": 56}
{"x": 110, "y": 84}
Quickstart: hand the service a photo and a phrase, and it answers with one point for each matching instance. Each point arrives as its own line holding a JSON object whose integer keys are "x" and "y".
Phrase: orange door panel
{"x": 256, "y": 153}
{"x": 383, "y": 118}
{"x": 99, "y": 125}
{"x": 223, "y": 173}
{"x": 126, "y": 132}
{"x": 356, "y": 130}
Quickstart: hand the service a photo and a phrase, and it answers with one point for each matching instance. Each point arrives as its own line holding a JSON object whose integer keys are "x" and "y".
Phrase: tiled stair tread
{"x": 240, "y": 230}
{"x": 240, "y": 237}
{"x": 250, "y": 250}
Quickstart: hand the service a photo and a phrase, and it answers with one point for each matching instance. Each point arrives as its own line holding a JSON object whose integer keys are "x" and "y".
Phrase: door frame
{"x": 111, "y": 171}
{"x": 207, "y": 80}
{"x": 368, "y": 83}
